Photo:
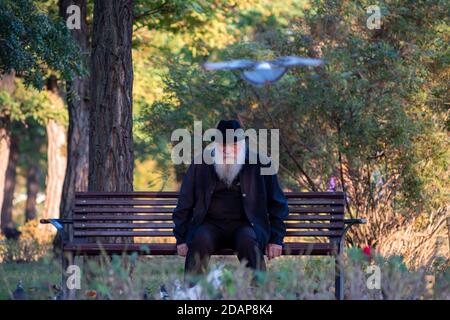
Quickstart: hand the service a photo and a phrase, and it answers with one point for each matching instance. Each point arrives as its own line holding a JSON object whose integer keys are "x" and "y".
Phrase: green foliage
{"x": 26, "y": 102}
{"x": 33, "y": 42}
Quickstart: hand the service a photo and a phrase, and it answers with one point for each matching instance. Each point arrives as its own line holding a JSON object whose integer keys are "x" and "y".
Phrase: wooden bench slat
{"x": 334, "y": 233}
{"x": 106, "y": 217}
{"x": 167, "y": 202}
{"x": 90, "y": 210}
{"x": 331, "y": 210}
{"x": 170, "y": 248}
{"x": 332, "y": 225}
{"x": 175, "y": 194}
{"x": 133, "y": 194}
{"x": 124, "y": 202}
{"x": 119, "y": 233}
{"x": 153, "y": 217}
{"x": 311, "y": 195}
{"x": 134, "y": 217}
{"x": 313, "y": 217}
{"x": 90, "y": 225}
{"x": 122, "y": 210}
{"x": 315, "y": 202}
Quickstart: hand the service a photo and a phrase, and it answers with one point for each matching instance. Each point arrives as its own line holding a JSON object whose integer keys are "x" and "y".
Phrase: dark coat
{"x": 264, "y": 202}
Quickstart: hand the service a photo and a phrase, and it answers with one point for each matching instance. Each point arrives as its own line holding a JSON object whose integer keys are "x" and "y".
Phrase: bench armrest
{"x": 351, "y": 222}
{"x": 348, "y": 224}
{"x": 57, "y": 223}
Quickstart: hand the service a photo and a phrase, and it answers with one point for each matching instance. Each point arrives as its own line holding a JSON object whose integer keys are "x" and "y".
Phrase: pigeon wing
{"x": 229, "y": 65}
{"x": 291, "y": 61}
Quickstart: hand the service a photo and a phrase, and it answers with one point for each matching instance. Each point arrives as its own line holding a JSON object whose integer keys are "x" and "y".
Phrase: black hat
{"x": 233, "y": 125}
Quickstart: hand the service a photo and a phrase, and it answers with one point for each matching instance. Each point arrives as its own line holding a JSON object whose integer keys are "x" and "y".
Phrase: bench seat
{"x": 170, "y": 248}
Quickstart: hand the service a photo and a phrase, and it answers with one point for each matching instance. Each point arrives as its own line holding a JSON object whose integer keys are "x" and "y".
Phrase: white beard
{"x": 227, "y": 172}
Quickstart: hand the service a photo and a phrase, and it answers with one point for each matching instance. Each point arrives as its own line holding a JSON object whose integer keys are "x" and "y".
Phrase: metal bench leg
{"x": 339, "y": 257}
{"x": 77, "y": 260}
{"x": 64, "y": 265}
{"x": 338, "y": 269}
{"x": 67, "y": 260}
{"x": 339, "y": 278}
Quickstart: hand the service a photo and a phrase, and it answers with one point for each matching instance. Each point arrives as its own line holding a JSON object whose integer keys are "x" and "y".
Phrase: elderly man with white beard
{"x": 229, "y": 204}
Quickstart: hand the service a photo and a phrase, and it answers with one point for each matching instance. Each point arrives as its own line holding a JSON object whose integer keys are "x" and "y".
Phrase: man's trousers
{"x": 213, "y": 235}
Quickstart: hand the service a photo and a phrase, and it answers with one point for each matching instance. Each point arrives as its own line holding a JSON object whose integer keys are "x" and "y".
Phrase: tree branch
{"x": 286, "y": 147}
{"x": 150, "y": 12}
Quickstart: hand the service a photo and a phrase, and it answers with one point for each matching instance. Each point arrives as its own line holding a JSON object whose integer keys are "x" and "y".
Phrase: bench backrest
{"x": 149, "y": 214}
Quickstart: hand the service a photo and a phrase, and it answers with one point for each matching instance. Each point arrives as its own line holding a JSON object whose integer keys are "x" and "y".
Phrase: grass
{"x": 37, "y": 277}
{"x": 132, "y": 277}
{"x": 111, "y": 279}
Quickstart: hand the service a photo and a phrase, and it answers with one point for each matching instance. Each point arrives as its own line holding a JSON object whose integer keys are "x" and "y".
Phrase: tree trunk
{"x": 56, "y": 155}
{"x": 32, "y": 191}
{"x": 34, "y": 142}
{"x": 111, "y": 160}
{"x": 10, "y": 184}
{"x": 5, "y": 142}
{"x": 6, "y": 84}
{"x": 111, "y": 142}
{"x": 76, "y": 178}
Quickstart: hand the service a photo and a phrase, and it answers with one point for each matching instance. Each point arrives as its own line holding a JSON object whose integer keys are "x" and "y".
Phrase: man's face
{"x": 229, "y": 159}
{"x": 229, "y": 151}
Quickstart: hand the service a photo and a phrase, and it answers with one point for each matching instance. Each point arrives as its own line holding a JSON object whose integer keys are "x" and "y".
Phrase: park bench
{"x": 315, "y": 226}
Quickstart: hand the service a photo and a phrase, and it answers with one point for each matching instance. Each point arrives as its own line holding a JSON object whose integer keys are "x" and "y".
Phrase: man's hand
{"x": 273, "y": 250}
{"x": 182, "y": 249}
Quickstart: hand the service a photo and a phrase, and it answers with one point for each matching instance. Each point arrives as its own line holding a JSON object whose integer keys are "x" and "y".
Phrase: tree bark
{"x": 33, "y": 142}
{"x": 10, "y": 184}
{"x": 111, "y": 142}
{"x": 5, "y": 143}
{"x": 6, "y": 84}
{"x": 56, "y": 155}
{"x": 32, "y": 191}
{"x": 111, "y": 160}
{"x": 77, "y": 171}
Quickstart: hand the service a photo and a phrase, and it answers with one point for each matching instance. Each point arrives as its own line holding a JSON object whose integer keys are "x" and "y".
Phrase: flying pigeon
{"x": 261, "y": 72}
